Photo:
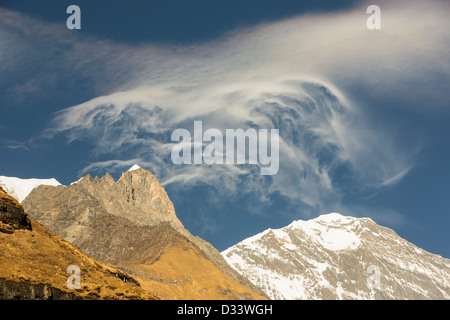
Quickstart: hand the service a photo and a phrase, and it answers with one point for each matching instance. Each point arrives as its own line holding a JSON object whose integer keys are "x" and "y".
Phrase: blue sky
{"x": 363, "y": 114}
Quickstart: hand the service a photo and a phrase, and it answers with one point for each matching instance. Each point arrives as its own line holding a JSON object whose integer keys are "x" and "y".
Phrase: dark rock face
{"x": 14, "y": 290}
{"x": 12, "y": 215}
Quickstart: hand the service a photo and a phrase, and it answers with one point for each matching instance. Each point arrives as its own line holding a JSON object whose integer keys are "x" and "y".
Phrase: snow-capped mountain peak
{"x": 134, "y": 167}
{"x": 21, "y": 188}
{"x": 333, "y": 256}
{"x": 332, "y": 231}
{"x": 334, "y": 216}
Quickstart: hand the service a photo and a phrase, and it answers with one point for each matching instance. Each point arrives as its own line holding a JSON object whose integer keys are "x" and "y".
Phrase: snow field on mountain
{"x": 21, "y": 188}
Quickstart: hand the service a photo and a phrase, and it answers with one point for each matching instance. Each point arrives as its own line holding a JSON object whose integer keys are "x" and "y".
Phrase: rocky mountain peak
{"x": 132, "y": 221}
{"x": 140, "y": 174}
{"x": 137, "y": 195}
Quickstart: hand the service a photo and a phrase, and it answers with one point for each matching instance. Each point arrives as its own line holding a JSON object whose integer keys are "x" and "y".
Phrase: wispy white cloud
{"x": 411, "y": 48}
{"x": 110, "y": 164}
{"x": 288, "y": 75}
{"x": 13, "y": 144}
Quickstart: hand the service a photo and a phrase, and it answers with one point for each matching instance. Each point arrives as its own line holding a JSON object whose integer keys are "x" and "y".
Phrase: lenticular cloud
{"x": 321, "y": 136}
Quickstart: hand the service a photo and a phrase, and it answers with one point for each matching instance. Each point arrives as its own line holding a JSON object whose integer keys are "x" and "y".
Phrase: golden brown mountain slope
{"x": 178, "y": 270}
{"x": 131, "y": 224}
{"x": 34, "y": 262}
